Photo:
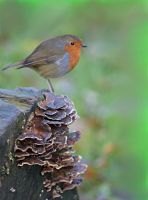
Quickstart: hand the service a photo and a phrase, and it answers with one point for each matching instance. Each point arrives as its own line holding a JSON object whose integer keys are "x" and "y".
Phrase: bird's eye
{"x": 72, "y": 43}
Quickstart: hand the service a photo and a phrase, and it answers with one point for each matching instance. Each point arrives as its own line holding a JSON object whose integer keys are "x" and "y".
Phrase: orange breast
{"x": 74, "y": 54}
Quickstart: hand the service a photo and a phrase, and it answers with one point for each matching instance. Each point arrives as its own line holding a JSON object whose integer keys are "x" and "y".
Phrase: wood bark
{"x": 19, "y": 183}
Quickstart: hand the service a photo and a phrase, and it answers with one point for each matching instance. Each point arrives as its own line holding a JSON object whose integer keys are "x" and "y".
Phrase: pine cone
{"x": 46, "y": 141}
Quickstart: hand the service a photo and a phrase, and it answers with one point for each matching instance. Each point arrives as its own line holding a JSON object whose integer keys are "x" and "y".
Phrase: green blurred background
{"x": 108, "y": 87}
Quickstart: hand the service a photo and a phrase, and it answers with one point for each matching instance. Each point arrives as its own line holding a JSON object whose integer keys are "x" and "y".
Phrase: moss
{"x": 5, "y": 169}
{"x": 11, "y": 157}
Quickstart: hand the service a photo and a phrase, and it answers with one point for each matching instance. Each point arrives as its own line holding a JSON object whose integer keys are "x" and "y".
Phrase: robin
{"x": 53, "y": 58}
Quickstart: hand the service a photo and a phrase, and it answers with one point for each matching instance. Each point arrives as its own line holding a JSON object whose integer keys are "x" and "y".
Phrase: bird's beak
{"x": 84, "y": 45}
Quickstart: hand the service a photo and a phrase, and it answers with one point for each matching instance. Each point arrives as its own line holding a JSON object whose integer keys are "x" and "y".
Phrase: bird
{"x": 53, "y": 58}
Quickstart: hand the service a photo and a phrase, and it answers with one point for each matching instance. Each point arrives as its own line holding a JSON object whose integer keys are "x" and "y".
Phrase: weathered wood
{"x": 16, "y": 183}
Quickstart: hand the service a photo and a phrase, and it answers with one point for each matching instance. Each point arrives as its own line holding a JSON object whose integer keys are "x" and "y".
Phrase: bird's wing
{"x": 32, "y": 63}
{"x": 53, "y": 68}
{"x": 42, "y": 56}
{"x": 39, "y": 61}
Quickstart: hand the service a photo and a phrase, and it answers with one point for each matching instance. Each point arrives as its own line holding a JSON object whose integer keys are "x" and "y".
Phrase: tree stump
{"x": 20, "y": 183}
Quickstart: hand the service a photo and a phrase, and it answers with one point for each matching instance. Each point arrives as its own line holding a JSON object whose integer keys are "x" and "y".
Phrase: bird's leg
{"x": 50, "y": 86}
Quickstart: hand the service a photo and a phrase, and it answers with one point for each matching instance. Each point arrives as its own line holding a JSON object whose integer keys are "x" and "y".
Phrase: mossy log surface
{"x": 17, "y": 183}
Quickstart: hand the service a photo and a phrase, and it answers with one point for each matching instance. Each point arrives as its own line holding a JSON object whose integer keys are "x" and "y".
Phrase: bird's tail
{"x": 17, "y": 65}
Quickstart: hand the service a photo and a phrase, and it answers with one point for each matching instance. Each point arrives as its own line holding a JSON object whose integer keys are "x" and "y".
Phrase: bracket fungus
{"x": 47, "y": 141}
